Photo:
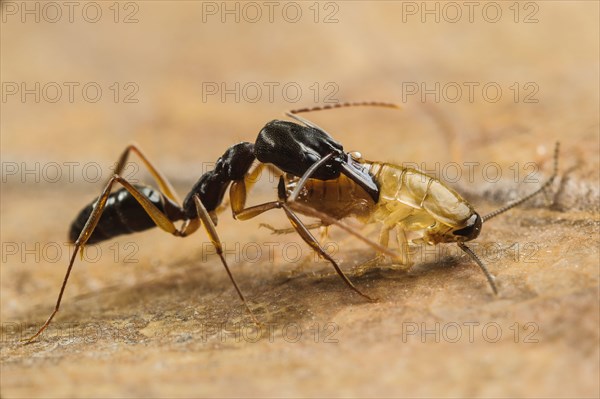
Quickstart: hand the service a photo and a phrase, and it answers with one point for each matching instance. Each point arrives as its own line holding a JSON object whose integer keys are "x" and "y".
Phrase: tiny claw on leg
{"x": 254, "y": 319}
{"x": 368, "y": 298}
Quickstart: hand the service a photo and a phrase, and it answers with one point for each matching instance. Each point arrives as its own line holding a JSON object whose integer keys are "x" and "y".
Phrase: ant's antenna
{"x": 345, "y": 105}
{"x": 294, "y": 112}
{"x": 527, "y": 197}
{"x": 488, "y": 275}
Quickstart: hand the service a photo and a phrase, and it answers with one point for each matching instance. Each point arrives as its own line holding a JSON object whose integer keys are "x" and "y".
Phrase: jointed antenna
{"x": 345, "y": 105}
{"x": 488, "y": 275}
{"x": 533, "y": 194}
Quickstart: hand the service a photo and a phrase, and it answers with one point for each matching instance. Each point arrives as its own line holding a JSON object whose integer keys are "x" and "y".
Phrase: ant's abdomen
{"x": 122, "y": 215}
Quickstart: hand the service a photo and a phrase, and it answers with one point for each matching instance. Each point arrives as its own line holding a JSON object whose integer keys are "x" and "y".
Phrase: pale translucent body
{"x": 419, "y": 207}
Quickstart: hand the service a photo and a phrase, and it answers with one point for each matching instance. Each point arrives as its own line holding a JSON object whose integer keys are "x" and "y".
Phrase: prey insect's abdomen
{"x": 414, "y": 201}
{"x": 123, "y": 215}
{"x": 339, "y": 198}
{"x": 417, "y": 190}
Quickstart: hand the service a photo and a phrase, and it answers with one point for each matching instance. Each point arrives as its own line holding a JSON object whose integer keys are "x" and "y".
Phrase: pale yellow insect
{"x": 420, "y": 208}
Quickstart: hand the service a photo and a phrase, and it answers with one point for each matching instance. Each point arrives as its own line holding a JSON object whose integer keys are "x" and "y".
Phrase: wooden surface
{"x": 151, "y": 315}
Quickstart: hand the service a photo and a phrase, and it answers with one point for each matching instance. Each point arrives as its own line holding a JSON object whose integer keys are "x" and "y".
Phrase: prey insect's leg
{"x": 384, "y": 236}
{"x": 402, "y": 242}
{"x": 157, "y": 216}
{"x": 324, "y": 230}
{"x": 162, "y": 181}
{"x": 214, "y": 237}
{"x": 394, "y": 221}
{"x": 384, "y": 239}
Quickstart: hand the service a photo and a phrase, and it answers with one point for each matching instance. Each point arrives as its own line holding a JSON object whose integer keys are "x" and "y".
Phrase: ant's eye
{"x": 472, "y": 229}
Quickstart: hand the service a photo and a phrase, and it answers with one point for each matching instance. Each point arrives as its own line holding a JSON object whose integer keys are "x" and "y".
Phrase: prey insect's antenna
{"x": 473, "y": 256}
{"x": 500, "y": 211}
{"x": 529, "y": 196}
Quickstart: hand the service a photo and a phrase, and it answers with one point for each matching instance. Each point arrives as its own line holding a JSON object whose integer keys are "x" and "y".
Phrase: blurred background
{"x": 486, "y": 89}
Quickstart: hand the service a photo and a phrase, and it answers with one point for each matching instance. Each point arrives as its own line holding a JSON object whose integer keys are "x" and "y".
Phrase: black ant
{"x": 293, "y": 148}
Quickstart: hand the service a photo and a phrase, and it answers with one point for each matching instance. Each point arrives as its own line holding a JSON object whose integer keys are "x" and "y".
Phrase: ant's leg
{"x": 314, "y": 244}
{"x": 162, "y": 181}
{"x": 157, "y": 216}
{"x": 239, "y": 189}
{"x": 253, "y": 211}
{"x": 248, "y": 213}
{"x": 252, "y": 177}
{"x": 238, "y": 200}
{"x": 249, "y": 181}
{"x": 214, "y": 237}
{"x": 243, "y": 186}
{"x": 289, "y": 230}
{"x": 323, "y": 230}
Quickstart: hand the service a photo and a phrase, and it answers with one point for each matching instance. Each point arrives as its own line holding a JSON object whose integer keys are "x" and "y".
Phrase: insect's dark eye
{"x": 472, "y": 230}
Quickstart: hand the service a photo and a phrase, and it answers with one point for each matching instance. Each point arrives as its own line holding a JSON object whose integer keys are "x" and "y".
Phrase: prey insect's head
{"x": 470, "y": 231}
{"x": 466, "y": 232}
{"x": 439, "y": 232}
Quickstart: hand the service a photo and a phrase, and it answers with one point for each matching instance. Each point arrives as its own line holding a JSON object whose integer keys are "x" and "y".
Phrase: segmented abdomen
{"x": 338, "y": 198}
{"x": 122, "y": 215}
{"x": 405, "y": 190}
